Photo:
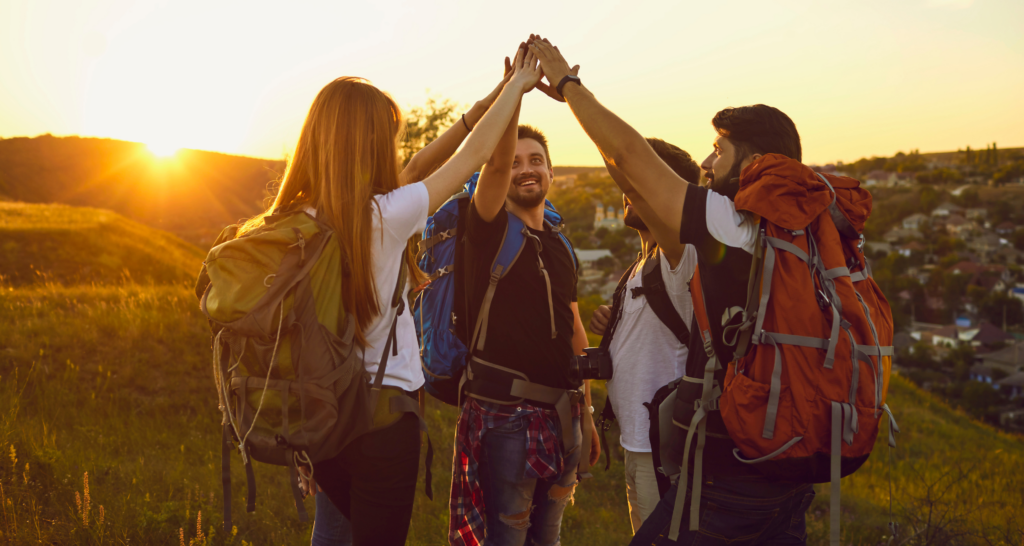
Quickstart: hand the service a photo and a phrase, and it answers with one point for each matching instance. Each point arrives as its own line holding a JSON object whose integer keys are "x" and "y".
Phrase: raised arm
{"x": 492, "y": 188}
{"x": 665, "y": 234}
{"x": 620, "y": 145}
{"x": 481, "y": 142}
{"x": 433, "y": 155}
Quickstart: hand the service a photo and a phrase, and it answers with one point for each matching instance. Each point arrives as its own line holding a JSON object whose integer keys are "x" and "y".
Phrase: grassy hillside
{"x": 113, "y": 382}
{"x": 192, "y": 193}
{"x": 81, "y": 245}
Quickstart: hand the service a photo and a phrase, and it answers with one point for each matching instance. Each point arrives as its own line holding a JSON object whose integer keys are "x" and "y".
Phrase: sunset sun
{"x": 162, "y": 149}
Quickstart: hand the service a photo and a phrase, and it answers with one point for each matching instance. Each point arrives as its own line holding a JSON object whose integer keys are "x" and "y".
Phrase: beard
{"x": 730, "y": 183}
{"x": 532, "y": 199}
{"x": 632, "y": 219}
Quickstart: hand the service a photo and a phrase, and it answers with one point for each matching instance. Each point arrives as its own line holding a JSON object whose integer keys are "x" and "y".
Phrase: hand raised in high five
{"x": 551, "y": 61}
{"x": 526, "y": 70}
{"x": 490, "y": 98}
{"x": 549, "y": 88}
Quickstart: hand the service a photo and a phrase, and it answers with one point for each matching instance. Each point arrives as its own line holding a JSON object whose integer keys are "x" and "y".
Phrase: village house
{"x": 896, "y": 235}
{"x": 1006, "y": 228}
{"x": 873, "y": 248}
{"x": 947, "y": 209}
{"x": 958, "y": 226}
{"x": 976, "y": 214}
{"x": 914, "y": 221}
{"x": 1013, "y": 385}
{"x": 911, "y": 248}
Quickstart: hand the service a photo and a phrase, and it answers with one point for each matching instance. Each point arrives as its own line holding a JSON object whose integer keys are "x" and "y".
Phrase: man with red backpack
{"x": 790, "y": 348}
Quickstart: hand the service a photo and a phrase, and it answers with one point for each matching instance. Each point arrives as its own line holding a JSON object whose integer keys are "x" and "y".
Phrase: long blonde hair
{"x": 347, "y": 153}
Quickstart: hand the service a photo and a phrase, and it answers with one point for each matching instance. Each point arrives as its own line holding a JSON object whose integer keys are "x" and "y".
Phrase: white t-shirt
{"x": 646, "y": 355}
{"x": 729, "y": 226}
{"x": 403, "y": 213}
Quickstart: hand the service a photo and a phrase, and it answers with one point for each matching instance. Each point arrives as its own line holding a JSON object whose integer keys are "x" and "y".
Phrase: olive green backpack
{"x": 291, "y": 383}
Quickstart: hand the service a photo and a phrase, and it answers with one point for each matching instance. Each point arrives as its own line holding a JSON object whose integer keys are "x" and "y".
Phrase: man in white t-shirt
{"x": 648, "y": 337}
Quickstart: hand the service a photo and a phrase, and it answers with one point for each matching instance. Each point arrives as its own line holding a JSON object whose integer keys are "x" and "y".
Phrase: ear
{"x": 750, "y": 159}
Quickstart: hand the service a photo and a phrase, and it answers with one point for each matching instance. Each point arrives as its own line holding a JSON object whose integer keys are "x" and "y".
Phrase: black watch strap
{"x": 568, "y": 78}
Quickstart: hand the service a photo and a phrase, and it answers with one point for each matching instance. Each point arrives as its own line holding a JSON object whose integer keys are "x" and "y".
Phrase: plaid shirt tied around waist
{"x": 467, "y": 520}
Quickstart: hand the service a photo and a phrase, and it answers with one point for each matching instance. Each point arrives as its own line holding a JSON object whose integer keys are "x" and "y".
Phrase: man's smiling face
{"x": 531, "y": 175}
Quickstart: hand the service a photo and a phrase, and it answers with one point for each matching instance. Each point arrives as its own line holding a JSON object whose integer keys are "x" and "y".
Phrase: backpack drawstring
{"x": 266, "y": 383}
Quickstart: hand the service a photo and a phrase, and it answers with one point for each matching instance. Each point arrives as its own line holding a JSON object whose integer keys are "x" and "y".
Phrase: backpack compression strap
{"x": 698, "y": 424}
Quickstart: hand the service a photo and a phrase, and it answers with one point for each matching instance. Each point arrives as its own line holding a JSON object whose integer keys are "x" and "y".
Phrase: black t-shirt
{"x": 519, "y": 326}
{"x": 724, "y": 271}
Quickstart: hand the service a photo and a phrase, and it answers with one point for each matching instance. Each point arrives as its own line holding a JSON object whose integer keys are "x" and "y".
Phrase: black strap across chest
{"x": 652, "y": 286}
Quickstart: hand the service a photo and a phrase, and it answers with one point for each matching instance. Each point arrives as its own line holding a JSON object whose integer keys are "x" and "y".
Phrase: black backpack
{"x": 652, "y": 286}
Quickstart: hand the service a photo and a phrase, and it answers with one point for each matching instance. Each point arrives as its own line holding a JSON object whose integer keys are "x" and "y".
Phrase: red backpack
{"x": 805, "y": 388}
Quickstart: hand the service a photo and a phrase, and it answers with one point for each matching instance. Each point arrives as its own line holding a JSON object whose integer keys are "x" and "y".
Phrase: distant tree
{"x": 928, "y": 198}
{"x": 997, "y": 305}
{"x": 1002, "y": 211}
{"x": 581, "y": 240}
{"x": 1009, "y": 172}
{"x": 939, "y": 176}
{"x": 424, "y": 124}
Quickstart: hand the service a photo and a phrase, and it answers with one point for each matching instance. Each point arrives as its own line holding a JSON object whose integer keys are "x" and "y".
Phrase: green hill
{"x": 74, "y": 245}
{"x": 111, "y": 380}
{"x": 114, "y": 381}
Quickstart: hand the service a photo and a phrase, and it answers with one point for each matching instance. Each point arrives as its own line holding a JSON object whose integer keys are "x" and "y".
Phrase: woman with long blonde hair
{"x": 346, "y": 171}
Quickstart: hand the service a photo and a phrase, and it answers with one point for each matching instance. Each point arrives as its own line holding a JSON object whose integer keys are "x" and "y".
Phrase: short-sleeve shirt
{"x": 646, "y": 355}
{"x": 519, "y": 325}
{"x": 403, "y": 213}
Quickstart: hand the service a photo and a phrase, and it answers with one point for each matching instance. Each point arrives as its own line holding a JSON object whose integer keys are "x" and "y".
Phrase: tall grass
{"x": 114, "y": 382}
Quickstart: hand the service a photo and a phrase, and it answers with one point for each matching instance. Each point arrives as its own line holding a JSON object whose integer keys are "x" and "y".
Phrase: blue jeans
{"x": 331, "y": 527}
{"x": 521, "y": 509}
{"x": 736, "y": 512}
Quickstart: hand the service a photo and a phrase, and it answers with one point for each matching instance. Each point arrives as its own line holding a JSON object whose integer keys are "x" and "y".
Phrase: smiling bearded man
{"x": 531, "y": 173}
{"x": 517, "y": 455}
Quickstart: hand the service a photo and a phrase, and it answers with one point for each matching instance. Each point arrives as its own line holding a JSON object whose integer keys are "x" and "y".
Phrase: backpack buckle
{"x": 823, "y": 300}
{"x": 712, "y": 404}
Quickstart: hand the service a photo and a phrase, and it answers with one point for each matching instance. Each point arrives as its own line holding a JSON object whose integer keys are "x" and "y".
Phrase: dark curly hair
{"x": 527, "y": 131}
{"x": 677, "y": 159}
{"x": 759, "y": 129}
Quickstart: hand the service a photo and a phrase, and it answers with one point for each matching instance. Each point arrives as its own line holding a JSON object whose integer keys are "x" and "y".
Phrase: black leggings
{"x": 373, "y": 482}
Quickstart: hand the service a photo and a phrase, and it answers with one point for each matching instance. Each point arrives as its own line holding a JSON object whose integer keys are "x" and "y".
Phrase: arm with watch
{"x": 620, "y": 144}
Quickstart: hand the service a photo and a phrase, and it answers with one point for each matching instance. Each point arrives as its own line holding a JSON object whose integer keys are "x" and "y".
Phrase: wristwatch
{"x": 568, "y": 78}
{"x": 590, "y": 409}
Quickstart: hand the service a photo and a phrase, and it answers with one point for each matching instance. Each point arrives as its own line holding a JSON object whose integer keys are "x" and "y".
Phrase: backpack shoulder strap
{"x": 617, "y": 296}
{"x": 653, "y": 287}
{"x": 511, "y": 247}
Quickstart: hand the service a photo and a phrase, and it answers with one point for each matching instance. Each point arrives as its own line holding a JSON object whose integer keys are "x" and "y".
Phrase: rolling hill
{"x": 76, "y": 245}
{"x": 192, "y": 193}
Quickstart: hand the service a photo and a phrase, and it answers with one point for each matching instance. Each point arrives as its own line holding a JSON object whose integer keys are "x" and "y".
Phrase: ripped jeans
{"x": 519, "y": 510}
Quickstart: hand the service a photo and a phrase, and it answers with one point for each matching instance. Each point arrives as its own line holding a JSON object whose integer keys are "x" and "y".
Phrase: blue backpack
{"x": 440, "y": 308}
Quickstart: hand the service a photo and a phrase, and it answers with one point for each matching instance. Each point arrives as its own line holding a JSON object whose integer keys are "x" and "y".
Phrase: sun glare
{"x": 162, "y": 149}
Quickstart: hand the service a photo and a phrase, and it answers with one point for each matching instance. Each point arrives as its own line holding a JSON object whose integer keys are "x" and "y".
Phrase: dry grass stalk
{"x": 85, "y": 507}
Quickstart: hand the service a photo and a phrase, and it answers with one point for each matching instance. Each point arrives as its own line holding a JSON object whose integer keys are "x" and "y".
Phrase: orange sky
{"x": 859, "y": 78}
